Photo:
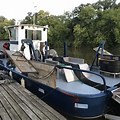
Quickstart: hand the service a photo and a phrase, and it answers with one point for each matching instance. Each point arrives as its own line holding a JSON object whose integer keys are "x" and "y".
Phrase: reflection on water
{"x": 86, "y": 52}
{"x": 73, "y": 118}
{"x": 70, "y": 118}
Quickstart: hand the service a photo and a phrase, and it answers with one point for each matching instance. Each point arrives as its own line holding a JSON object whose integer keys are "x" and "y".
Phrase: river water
{"x": 86, "y": 52}
{"x": 83, "y": 52}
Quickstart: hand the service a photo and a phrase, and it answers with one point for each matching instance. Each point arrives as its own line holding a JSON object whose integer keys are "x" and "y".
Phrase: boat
{"x": 71, "y": 97}
{"x": 65, "y": 83}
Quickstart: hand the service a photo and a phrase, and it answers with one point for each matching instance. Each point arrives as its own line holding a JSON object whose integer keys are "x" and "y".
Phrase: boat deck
{"x": 75, "y": 86}
{"x": 66, "y": 79}
{"x": 17, "y": 103}
{"x": 21, "y": 62}
{"x": 80, "y": 88}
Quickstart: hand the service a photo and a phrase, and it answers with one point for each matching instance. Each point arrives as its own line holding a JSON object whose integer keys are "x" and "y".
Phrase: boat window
{"x": 33, "y": 34}
{"x": 12, "y": 33}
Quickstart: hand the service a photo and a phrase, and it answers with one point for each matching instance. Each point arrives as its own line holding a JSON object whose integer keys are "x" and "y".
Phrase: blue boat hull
{"x": 77, "y": 105}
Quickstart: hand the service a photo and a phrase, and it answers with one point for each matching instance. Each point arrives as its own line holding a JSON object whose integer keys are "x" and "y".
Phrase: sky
{"x": 18, "y": 9}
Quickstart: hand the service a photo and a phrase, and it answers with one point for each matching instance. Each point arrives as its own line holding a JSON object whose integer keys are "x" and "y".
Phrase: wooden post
{"x": 23, "y": 82}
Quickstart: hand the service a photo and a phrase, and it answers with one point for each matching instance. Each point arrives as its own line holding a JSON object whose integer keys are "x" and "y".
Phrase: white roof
{"x": 27, "y": 25}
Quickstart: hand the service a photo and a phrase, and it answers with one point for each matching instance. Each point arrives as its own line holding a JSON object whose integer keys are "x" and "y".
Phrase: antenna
{"x": 34, "y": 14}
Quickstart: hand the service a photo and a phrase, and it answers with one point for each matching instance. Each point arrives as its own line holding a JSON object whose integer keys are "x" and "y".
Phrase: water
{"x": 86, "y": 52}
{"x": 70, "y": 118}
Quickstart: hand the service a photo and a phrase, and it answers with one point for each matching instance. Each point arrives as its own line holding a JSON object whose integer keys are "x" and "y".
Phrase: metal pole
{"x": 46, "y": 49}
{"x": 65, "y": 49}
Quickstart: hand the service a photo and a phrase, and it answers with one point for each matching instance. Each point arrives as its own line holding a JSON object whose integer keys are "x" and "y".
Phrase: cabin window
{"x": 12, "y": 34}
{"x": 33, "y": 34}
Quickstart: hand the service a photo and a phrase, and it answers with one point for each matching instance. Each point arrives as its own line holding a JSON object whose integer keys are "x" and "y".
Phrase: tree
{"x": 58, "y": 30}
{"x": 28, "y": 19}
{"x": 87, "y": 24}
{"x": 84, "y": 26}
{"x": 5, "y": 22}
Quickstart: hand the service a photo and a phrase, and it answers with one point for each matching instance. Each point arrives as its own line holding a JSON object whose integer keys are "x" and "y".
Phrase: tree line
{"x": 87, "y": 24}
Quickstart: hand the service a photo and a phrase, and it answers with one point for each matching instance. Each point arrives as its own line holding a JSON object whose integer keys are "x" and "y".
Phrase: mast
{"x": 34, "y": 14}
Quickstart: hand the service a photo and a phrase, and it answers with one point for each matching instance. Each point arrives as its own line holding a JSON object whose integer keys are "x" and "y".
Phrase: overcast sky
{"x": 18, "y": 9}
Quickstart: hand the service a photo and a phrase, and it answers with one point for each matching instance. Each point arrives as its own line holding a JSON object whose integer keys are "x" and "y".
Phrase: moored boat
{"x": 65, "y": 83}
{"x": 74, "y": 98}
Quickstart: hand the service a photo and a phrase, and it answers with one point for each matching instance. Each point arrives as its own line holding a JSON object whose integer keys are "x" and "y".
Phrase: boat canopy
{"x": 36, "y": 33}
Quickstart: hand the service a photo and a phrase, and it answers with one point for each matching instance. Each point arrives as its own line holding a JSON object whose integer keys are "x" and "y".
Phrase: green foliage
{"x": 28, "y": 19}
{"x": 96, "y": 22}
{"x": 79, "y": 33}
{"x": 58, "y": 31}
{"x": 87, "y": 24}
{"x": 4, "y": 22}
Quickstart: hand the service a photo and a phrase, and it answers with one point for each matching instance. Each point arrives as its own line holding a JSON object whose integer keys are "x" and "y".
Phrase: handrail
{"x": 80, "y": 70}
{"x": 97, "y": 53}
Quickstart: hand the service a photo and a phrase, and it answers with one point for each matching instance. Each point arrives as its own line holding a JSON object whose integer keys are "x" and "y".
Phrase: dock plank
{"x": 3, "y": 114}
{"x": 43, "y": 107}
{"x": 13, "y": 115}
{"x": 17, "y": 103}
{"x": 15, "y": 106}
{"x": 32, "y": 111}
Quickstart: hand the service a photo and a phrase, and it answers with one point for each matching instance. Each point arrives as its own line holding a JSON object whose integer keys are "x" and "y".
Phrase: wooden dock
{"x": 17, "y": 103}
{"x": 116, "y": 95}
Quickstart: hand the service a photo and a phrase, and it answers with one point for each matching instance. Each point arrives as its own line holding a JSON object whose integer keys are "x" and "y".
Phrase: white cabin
{"x": 38, "y": 35}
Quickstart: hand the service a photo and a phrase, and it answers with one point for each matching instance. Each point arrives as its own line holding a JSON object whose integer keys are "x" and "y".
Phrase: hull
{"x": 77, "y": 105}
{"x": 82, "y": 106}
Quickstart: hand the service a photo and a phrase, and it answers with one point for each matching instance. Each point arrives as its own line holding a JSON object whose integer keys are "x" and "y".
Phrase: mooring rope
{"x": 43, "y": 77}
{"x": 5, "y": 78}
